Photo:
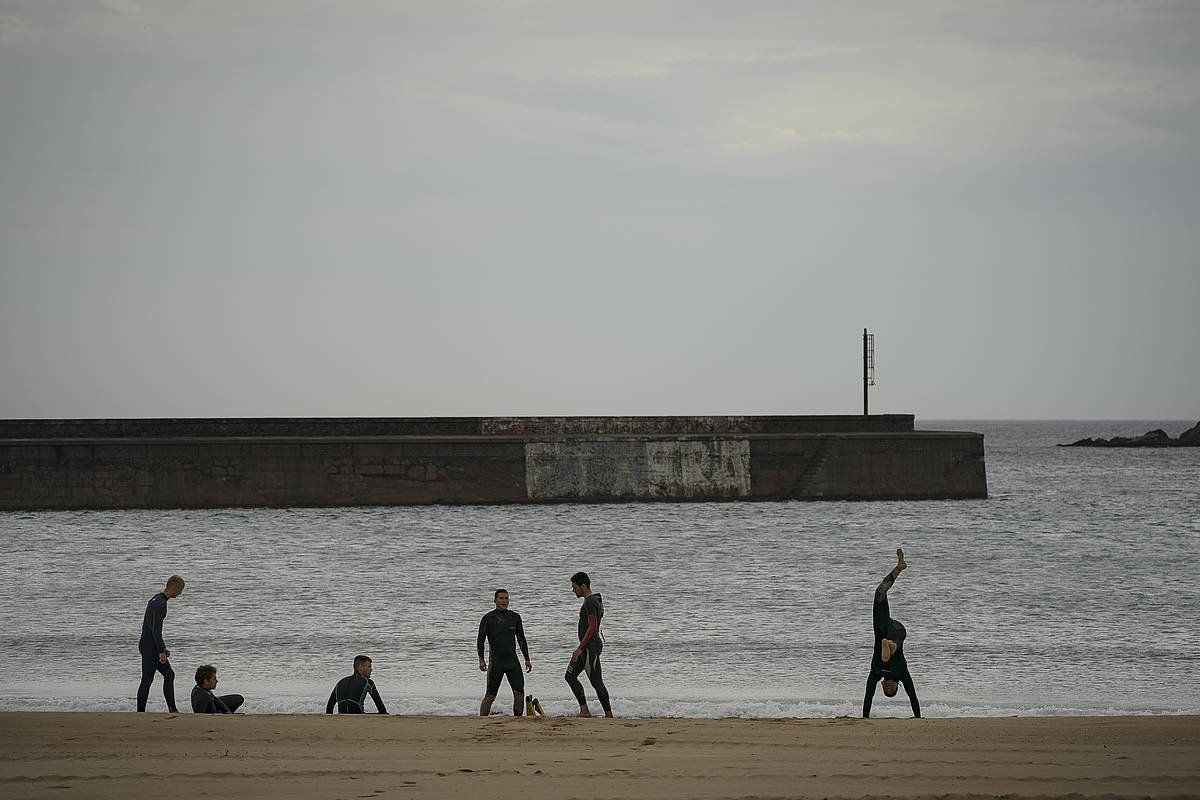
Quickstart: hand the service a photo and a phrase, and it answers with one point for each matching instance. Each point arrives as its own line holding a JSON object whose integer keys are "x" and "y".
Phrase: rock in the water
{"x": 1190, "y": 437}
{"x": 1154, "y": 438}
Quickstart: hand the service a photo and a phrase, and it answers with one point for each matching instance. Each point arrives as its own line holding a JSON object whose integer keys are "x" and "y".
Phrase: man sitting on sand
{"x": 350, "y": 693}
{"x": 887, "y": 661}
{"x": 503, "y": 630}
{"x": 205, "y": 701}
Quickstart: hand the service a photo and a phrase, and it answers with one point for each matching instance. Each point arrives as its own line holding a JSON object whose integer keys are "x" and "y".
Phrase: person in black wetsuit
{"x": 205, "y": 700}
{"x": 502, "y": 628}
{"x": 887, "y": 660}
{"x": 586, "y": 657}
{"x": 155, "y": 655}
{"x": 350, "y": 693}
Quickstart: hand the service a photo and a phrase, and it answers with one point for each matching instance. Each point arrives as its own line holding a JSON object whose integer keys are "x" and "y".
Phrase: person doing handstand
{"x": 887, "y": 661}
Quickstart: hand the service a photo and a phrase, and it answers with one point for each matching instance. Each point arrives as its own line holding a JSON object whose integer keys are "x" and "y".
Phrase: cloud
{"x": 12, "y": 28}
{"x": 561, "y": 153}
{"x": 122, "y": 6}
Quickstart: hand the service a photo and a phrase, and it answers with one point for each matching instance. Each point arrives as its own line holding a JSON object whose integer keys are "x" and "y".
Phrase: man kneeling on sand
{"x": 350, "y": 694}
{"x": 205, "y": 701}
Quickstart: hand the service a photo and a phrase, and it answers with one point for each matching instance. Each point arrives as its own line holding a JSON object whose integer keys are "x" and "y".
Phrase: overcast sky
{"x": 291, "y": 207}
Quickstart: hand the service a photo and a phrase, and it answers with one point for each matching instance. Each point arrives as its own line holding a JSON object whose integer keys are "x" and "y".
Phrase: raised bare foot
{"x": 887, "y": 649}
{"x": 900, "y": 565}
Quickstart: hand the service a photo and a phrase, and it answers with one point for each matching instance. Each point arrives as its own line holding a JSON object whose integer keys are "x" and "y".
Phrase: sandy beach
{"x": 156, "y": 755}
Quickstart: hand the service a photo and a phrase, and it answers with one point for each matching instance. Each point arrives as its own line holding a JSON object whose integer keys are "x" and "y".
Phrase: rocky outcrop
{"x": 1154, "y": 438}
{"x": 1190, "y": 437}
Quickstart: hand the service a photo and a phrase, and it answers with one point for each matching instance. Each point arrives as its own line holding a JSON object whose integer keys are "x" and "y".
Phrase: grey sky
{"x": 291, "y": 207}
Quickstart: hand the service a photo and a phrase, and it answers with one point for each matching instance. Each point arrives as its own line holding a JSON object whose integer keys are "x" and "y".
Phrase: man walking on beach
{"x": 586, "y": 657}
{"x": 155, "y": 655}
{"x": 205, "y": 700}
{"x": 887, "y": 660}
{"x": 350, "y": 693}
{"x": 502, "y": 628}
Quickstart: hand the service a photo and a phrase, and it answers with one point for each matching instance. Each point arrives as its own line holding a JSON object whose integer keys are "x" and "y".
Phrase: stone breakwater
{"x": 1154, "y": 438}
{"x": 215, "y": 463}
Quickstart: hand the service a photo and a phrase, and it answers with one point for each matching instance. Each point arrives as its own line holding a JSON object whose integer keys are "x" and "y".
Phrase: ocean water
{"x": 1072, "y": 590}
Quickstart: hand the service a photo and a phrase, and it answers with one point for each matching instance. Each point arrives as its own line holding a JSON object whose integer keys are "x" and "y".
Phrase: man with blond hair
{"x": 155, "y": 655}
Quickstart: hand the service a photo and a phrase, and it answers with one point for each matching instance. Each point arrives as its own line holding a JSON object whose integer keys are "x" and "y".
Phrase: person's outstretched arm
{"x": 872, "y": 682}
{"x": 911, "y": 691}
{"x": 378, "y": 700}
{"x": 332, "y": 700}
{"x": 521, "y": 641}
{"x": 882, "y": 589}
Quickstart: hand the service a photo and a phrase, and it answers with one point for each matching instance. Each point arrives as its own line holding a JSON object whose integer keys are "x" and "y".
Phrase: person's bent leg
{"x": 232, "y": 701}
{"x": 149, "y": 667}
{"x": 168, "y": 686}
{"x": 516, "y": 681}
{"x": 596, "y": 677}
{"x": 572, "y": 676}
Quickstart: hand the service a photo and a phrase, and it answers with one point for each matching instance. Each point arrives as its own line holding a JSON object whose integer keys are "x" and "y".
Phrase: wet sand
{"x": 96, "y": 755}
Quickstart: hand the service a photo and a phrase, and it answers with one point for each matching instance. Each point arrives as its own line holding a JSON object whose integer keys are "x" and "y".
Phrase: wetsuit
{"x": 895, "y": 667}
{"x": 504, "y": 631}
{"x": 205, "y": 702}
{"x": 350, "y": 695}
{"x": 150, "y": 646}
{"x": 591, "y": 643}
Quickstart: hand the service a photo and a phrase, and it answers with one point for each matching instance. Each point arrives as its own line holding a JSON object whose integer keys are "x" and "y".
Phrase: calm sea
{"x": 1072, "y": 590}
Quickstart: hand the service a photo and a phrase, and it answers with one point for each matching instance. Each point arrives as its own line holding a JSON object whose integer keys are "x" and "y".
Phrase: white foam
{"x": 638, "y": 707}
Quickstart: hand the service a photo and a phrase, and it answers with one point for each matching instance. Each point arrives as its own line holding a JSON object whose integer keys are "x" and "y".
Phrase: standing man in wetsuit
{"x": 155, "y": 655}
{"x": 206, "y": 701}
{"x": 887, "y": 660}
{"x": 586, "y": 657}
{"x": 502, "y": 628}
{"x": 350, "y": 693}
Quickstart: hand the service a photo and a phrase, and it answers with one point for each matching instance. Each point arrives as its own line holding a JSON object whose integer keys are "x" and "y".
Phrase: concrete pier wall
{"x": 78, "y": 464}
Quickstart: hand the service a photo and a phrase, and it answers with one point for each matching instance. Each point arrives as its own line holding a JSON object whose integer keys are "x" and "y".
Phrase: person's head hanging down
{"x": 174, "y": 587}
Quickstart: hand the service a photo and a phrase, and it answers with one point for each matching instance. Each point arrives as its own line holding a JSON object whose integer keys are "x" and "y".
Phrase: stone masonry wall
{"x": 230, "y": 472}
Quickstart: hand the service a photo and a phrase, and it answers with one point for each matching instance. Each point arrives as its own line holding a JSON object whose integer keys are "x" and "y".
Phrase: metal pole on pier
{"x": 868, "y": 367}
